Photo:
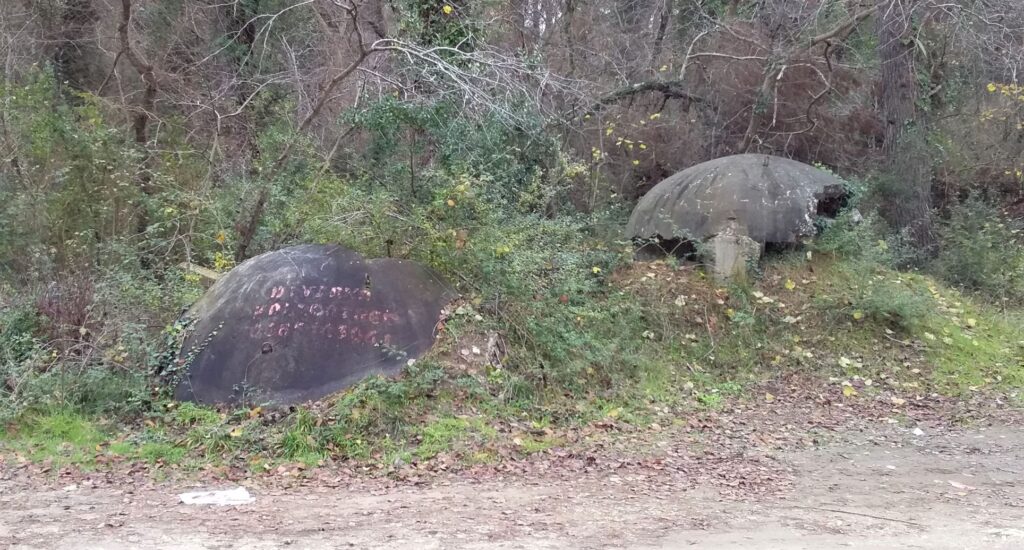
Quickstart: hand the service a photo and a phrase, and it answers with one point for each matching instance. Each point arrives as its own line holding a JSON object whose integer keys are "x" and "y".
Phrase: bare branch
{"x": 844, "y": 27}
{"x": 669, "y": 88}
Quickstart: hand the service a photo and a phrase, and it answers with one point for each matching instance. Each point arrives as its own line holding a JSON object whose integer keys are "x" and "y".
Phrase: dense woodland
{"x": 501, "y": 142}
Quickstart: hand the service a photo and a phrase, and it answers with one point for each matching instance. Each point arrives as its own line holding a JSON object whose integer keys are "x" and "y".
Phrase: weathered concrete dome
{"x": 771, "y": 199}
{"x": 301, "y": 323}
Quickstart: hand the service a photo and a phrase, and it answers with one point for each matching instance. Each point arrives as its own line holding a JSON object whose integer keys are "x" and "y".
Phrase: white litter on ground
{"x": 229, "y": 497}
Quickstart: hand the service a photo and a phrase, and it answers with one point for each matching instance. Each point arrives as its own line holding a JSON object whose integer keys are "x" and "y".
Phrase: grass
{"x": 829, "y": 320}
{"x": 538, "y": 444}
{"x": 61, "y": 435}
{"x": 447, "y": 435}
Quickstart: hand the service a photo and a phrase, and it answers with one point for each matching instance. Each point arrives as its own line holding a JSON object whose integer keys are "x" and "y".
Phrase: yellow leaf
{"x": 972, "y": 323}
{"x": 451, "y": 202}
{"x": 237, "y": 432}
{"x": 221, "y": 237}
{"x": 255, "y": 412}
{"x": 614, "y": 413}
{"x": 642, "y": 146}
{"x": 858, "y": 315}
{"x": 655, "y": 116}
{"x": 447, "y": 9}
{"x": 849, "y": 391}
{"x": 608, "y": 132}
{"x": 663, "y": 68}
{"x": 596, "y": 269}
{"x": 991, "y": 87}
{"x": 790, "y": 285}
{"x": 636, "y": 162}
{"x": 769, "y": 397}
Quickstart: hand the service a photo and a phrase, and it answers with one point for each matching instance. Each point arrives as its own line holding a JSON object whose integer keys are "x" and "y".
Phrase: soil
{"x": 882, "y": 486}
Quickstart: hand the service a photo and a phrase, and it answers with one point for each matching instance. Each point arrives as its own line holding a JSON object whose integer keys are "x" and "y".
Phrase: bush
{"x": 894, "y": 301}
{"x": 981, "y": 251}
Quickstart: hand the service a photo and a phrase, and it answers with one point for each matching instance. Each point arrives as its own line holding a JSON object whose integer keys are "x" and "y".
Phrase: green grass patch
{"x": 61, "y": 435}
{"x": 448, "y": 435}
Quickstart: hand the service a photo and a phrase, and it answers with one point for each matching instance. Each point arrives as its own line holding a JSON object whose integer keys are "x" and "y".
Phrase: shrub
{"x": 981, "y": 251}
{"x": 893, "y": 301}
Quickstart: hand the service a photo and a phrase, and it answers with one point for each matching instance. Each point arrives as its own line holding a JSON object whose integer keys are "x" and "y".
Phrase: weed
{"x": 446, "y": 435}
{"x": 300, "y": 441}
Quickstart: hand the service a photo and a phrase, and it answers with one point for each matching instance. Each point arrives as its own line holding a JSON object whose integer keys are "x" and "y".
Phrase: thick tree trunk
{"x": 896, "y": 56}
{"x": 907, "y": 163}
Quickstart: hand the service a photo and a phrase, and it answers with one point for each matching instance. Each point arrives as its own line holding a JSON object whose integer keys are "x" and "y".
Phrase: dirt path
{"x": 936, "y": 490}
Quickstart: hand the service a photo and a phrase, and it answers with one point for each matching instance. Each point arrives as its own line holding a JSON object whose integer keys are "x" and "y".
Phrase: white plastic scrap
{"x": 230, "y": 497}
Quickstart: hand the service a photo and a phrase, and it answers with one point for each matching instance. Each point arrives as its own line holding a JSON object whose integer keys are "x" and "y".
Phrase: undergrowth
{"x": 590, "y": 337}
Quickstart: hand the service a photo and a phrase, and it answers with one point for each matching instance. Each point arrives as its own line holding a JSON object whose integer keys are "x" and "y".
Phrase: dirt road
{"x": 939, "y": 489}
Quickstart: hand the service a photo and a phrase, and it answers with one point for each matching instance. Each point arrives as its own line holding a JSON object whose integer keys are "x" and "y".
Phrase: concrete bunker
{"x": 731, "y": 208}
{"x": 304, "y": 322}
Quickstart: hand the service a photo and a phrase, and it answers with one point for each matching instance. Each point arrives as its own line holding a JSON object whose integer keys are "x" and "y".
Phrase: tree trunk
{"x": 908, "y": 207}
{"x": 896, "y": 56}
{"x": 570, "y": 40}
{"x": 242, "y": 28}
{"x": 659, "y": 37}
{"x": 75, "y": 45}
{"x": 142, "y": 113}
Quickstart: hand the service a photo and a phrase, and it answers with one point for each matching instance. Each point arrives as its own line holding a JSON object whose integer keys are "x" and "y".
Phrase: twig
{"x": 838, "y": 511}
{"x": 898, "y": 341}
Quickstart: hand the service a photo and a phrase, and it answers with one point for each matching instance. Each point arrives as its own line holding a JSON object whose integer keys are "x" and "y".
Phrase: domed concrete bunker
{"x": 304, "y": 322}
{"x": 735, "y": 205}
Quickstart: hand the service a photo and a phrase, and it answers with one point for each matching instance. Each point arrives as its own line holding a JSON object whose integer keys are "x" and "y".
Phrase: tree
{"x": 906, "y": 163}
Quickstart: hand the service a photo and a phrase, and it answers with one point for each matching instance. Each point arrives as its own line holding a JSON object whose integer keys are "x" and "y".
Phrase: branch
{"x": 145, "y": 70}
{"x": 669, "y": 88}
{"x": 843, "y": 27}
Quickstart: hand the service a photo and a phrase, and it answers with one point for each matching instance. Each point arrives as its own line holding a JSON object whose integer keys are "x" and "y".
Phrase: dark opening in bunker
{"x": 832, "y": 201}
